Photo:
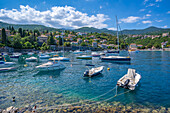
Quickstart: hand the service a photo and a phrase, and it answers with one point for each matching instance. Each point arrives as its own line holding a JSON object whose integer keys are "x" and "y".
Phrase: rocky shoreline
{"x": 114, "y": 107}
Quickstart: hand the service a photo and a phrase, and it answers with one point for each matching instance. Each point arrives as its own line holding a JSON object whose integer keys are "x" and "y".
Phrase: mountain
{"x": 149, "y": 30}
{"x": 26, "y": 26}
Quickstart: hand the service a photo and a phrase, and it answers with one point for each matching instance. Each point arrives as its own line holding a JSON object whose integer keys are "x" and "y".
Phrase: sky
{"x": 73, "y": 14}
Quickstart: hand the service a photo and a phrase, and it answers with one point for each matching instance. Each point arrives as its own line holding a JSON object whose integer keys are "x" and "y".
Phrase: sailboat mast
{"x": 117, "y": 33}
{"x": 63, "y": 43}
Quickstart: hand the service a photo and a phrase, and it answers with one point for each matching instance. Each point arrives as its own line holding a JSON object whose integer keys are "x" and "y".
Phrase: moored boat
{"x": 77, "y": 52}
{"x": 129, "y": 80}
{"x": 15, "y": 55}
{"x": 60, "y": 59}
{"x": 6, "y": 64}
{"x": 31, "y": 59}
{"x": 95, "y": 54}
{"x": 8, "y": 69}
{"x": 116, "y": 58}
{"x": 42, "y": 56}
{"x": 50, "y": 66}
{"x": 84, "y": 57}
{"x": 94, "y": 71}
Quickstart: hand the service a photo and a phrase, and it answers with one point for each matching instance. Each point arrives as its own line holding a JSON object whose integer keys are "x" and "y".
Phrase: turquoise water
{"x": 31, "y": 87}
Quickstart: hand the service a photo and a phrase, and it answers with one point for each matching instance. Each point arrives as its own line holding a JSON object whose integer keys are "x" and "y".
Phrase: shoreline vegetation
{"x": 113, "y": 107}
{"x": 52, "y": 40}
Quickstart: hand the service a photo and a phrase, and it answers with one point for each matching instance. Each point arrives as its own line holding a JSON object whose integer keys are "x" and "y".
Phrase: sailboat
{"x": 61, "y": 58}
{"x": 116, "y": 58}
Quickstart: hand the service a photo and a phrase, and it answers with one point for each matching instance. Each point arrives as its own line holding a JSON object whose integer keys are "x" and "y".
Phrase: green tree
{"x": 16, "y": 43}
{"x": 4, "y": 37}
{"x": 28, "y": 45}
{"x": 67, "y": 44}
{"x": 51, "y": 40}
{"x": 20, "y": 31}
{"x": 60, "y": 41}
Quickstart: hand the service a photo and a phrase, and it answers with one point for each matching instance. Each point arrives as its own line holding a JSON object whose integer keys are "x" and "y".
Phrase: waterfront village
{"x": 20, "y": 39}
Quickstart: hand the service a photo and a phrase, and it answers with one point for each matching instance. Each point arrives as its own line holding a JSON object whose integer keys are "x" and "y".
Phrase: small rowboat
{"x": 84, "y": 57}
{"x": 8, "y": 69}
{"x": 31, "y": 59}
{"x": 129, "y": 80}
{"x": 94, "y": 71}
{"x": 44, "y": 56}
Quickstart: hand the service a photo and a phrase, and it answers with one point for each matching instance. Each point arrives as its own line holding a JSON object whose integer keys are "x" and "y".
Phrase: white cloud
{"x": 168, "y": 12}
{"x": 149, "y": 11}
{"x": 148, "y": 15}
{"x": 130, "y": 19}
{"x": 101, "y": 7}
{"x": 112, "y": 28}
{"x": 44, "y": 2}
{"x": 158, "y": 20}
{"x": 150, "y": 5}
{"x": 165, "y": 26}
{"x": 158, "y": 1}
{"x": 146, "y": 22}
{"x": 58, "y": 17}
{"x": 145, "y": 1}
{"x": 142, "y": 10}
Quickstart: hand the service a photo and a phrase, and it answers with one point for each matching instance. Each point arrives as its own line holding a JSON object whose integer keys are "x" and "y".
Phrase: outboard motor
{"x": 86, "y": 73}
{"x": 126, "y": 83}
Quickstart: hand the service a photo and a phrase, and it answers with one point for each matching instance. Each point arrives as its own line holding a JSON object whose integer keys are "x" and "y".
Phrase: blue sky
{"x": 72, "y": 14}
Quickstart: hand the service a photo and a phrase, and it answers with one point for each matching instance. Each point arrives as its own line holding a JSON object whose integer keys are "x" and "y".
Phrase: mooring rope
{"x": 70, "y": 105}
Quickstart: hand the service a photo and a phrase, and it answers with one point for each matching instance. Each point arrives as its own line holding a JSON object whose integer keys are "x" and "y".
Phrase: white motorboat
{"x": 95, "y": 54}
{"x": 6, "y": 64}
{"x": 15, "y": 55}
{"x": 116, "y": 58}
{"x": 129, "y": 80}
{"x": 8, "y": 69}
{"x": 60, "y": 59}
{"x": 84, "y": 57}
{"x": 30, "y": 53}
{"x": 77, "y": 52}
{"x": 42, "y": 56}
{"x": 31, "y": 59}
{"x": 50, "y": 66}
{"x": 94, "y": 71}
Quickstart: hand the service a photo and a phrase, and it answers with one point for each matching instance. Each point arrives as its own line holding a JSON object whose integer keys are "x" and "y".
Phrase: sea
{"x": 52, "y": 88}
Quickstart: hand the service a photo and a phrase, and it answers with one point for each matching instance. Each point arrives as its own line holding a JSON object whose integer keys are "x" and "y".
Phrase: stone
{"x": 145, "y": 110}
{"x": 10, "y": 109}
{"x": 79, "y": 110}
{"x": 154, "y": 111}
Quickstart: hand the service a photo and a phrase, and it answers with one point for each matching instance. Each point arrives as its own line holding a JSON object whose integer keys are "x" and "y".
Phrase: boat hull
{"x": 117, "y": 59}
{"x": 51, "y": 68}
{"x": 83, "y": 57}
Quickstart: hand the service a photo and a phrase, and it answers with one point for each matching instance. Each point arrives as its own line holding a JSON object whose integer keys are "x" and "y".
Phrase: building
{"x": 139, "y": 45}
{"x": 104, "y": 46}
{"x": 163, "y": 44}
{"x": 57, "y": 36}
{"x": 41, "y": 39}
{"x": 165, "y": 34}
{"x": 133, "y": 46}
{"x": 79, "y": 40}
{"x": 92, "y": 36}
{"x": 94, "y": 44}
{"x": 74, "y": 43}
{"x": 6, "y": 31}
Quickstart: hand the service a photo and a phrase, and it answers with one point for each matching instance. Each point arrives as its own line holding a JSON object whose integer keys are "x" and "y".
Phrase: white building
{"x": 94, "y": 44}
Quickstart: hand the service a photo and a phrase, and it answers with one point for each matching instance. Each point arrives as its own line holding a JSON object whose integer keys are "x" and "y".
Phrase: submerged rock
{"x": 10, "y": 110}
